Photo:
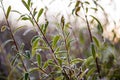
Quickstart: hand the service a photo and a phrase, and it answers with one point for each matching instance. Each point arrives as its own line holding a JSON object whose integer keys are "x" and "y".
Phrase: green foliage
{"x": 93, "y": 50}
{"x": 77, "y": 8}
{"x": 100, "y": 29}
{"x": 8, "y": 12}
{"x": 53, "y": 56}
{"x": 43, "y": 27}
{"x": 55, "y": 40}
{"x": 39, "y": 60}
{"x": 6, "y": 42}
{"x": 3, "y": 28}
{"x": 62, "y": 22}
{"x": 96, "y": 41}
{"x": 77, "y": 60}
{"x": 14, "y": 60}
{"x": 39, "y": 14}
{"x": 35, "y": 44}
{"x": 26, "y": 76}
{"x": 26, "y": 5}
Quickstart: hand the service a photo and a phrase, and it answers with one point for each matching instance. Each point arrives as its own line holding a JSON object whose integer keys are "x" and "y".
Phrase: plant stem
{"x": 88, "y": 26}
{"x": 14, "y": 41}
{"x": 45, "y": 39}
{"x": 38, "y": 67}
{"x": 90, "y": 34}
{"x": 91, "y": 40}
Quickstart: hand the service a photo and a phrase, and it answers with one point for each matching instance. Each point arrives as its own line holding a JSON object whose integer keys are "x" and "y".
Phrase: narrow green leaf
{"x": 57, "y": 50}
{"x": 35, "y": 44}
{"x": 33, "y": 51}
{"x": 22, "y": 45}
{"x": 21, "y": 17}
{"x": 96, "y": 41}
{"x": 3, "y": 28}
{"x": 39, "y": 59}
{"x": 45, "y": 65}
{"x": 90, "y": 72}
{"x": 77, "y": 60}
{"x": 96, "y": 4}
{"x": 31, "y": 4}
{"x": 26, "y": 5}
{"x": 95, "y": 9}
{"x": 60, "y": 52}
{"x": 16, "y": 11}
{"x": 88, "y": 61}
{"x": 42, "y": 27}
{"x": 33, "y": 69}
{"x": 68, "y": 43}
{"x": 6, "y": 42}
{"x": 86, "y": 10}
{"x": 114, "y": 34}
{"x": 62, "y": 22}
{"x": 93, "y": 50}
{"x": 101, "y": 8}
{"x": 100, "y": 28}
{"x": 18, "y": 28}
{"x": 77, "y": 3}
{"x": 25, "y": 18}
{"x": 29, "y": 1}
{"x": 45, "y": 27}
{"x": 26, "y": 76}
{"x": 34, "y": 40}
{"x": 27, "y": 31}
{"x": 59, "y": 61}
{"x": 8, "y": 12}
{"x": 31, "y": 20}
{"x": 14, "y": 59}
{"x": 55, "y": 40}
{"x": 34, "y": 12}
{"x": 50, "y": 62}
{"x": 73, "y": 11}
{"x": 83, "y": 73}
{"x": 40, "y": 13}
{"x": 86, "y": 2}
{"x": 77, "y": 10}
{"x": 67, "y": 25}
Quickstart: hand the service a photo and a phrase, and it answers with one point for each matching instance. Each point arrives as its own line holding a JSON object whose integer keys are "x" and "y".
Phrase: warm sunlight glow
{"x": 61, "y": 6}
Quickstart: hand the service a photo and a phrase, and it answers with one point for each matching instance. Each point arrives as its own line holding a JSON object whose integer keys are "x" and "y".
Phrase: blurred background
{"x": 110, "y": 18}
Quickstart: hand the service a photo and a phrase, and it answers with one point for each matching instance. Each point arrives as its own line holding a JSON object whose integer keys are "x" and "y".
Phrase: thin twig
{"x": 96, "y": 59}
{"x": 91, "y": 40}
{"x": 43, "y": 71}
{"x": 14, "y": 41}
{"x": 88, "y": 26}
{"x": 45, "y": 39}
